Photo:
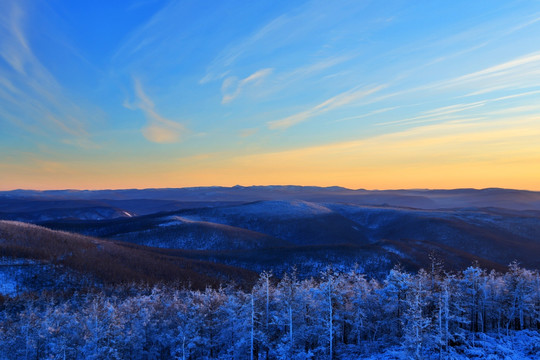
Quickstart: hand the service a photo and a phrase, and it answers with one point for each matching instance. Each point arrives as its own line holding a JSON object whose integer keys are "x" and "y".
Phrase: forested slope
{"x": 473, "y": 314}
{"x": 99, "y": 261}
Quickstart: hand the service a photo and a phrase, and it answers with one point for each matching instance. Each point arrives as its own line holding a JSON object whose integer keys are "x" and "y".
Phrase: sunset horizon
{"x": 267, "y": 186}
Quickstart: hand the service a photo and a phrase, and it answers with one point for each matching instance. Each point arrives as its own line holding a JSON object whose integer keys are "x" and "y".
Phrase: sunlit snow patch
{"x": 295, "y": 208}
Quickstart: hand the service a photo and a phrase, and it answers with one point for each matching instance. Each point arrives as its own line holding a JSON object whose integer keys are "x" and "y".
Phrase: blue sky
{"x": 363, "y": 94}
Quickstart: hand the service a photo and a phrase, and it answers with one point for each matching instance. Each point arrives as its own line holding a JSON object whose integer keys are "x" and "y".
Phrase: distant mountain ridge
{"x": 167, "y": 198}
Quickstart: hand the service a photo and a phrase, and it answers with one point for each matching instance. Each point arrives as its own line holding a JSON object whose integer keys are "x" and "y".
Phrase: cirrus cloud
{"x": 159, "y": 129}
{"x": 232, "y": 87}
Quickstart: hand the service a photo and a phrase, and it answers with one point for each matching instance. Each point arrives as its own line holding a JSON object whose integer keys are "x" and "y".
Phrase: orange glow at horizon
{"x": 504, "y": 153}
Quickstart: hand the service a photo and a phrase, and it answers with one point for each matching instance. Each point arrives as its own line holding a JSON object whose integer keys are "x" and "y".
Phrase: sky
{"x": 360, "y": 94}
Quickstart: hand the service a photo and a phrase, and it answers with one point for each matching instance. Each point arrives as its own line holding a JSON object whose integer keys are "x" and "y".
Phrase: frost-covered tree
{"x": 472, "y": 289}
{"x": 288, "y": 304}
{"x": 340, "y": 315}
{"x": 393, "y": 296}
{"x": 415, "y": 320}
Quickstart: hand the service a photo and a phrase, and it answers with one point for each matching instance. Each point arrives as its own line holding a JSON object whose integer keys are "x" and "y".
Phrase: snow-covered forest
{"x": 431, "y": 314}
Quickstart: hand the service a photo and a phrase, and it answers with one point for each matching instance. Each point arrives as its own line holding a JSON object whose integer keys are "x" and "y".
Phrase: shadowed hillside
{"x": 107, "y": 261}
{"x": 276, "y": 235}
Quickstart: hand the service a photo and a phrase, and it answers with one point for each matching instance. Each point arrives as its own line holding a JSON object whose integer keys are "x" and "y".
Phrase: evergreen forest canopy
{"x": 339, "y": 315}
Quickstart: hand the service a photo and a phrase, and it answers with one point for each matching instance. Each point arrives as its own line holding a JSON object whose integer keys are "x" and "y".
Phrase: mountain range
{"x": 210, "y": 234}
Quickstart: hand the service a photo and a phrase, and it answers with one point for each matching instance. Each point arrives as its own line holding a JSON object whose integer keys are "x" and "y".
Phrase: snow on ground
{"x": 296, "y": 208}
{"x": 14, "y": 261}
{"x": 11, "y": 271}
{"x": 518, "y": 345}
{"x": 8, "y": 282}
{"x": 177, "y": 220}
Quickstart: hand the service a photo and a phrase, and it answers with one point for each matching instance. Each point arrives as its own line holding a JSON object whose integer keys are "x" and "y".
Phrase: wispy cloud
{"x": 28, "y": 90}
{"x": 516, "y": 110}
{"x": 232, "y": 87}
{"x": 340, "y": 100}
{"x": 282, "y": 31}
{"x": 282, "y": 80}
{"x": 248, "y": 132}
{"x": 227, "y": 57}
{"x": 158, "y": 129}
{"x": 368, "y": 114}
{"x": 450, "y": 112}
{"x": 519, "y": 73}
{"x": 532, "y": 20}
{"x": 146, "y": 35}
{"x": 519, "y": 66}
{"x": 316, "y": 67}
{"x": 436, "y": 114}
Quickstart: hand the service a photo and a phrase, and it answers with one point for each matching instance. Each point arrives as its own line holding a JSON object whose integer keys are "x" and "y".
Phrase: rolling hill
{"x": 280, "y": 234}
{"x": 219, "y": 231}
{"x": 77, "y": 259}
